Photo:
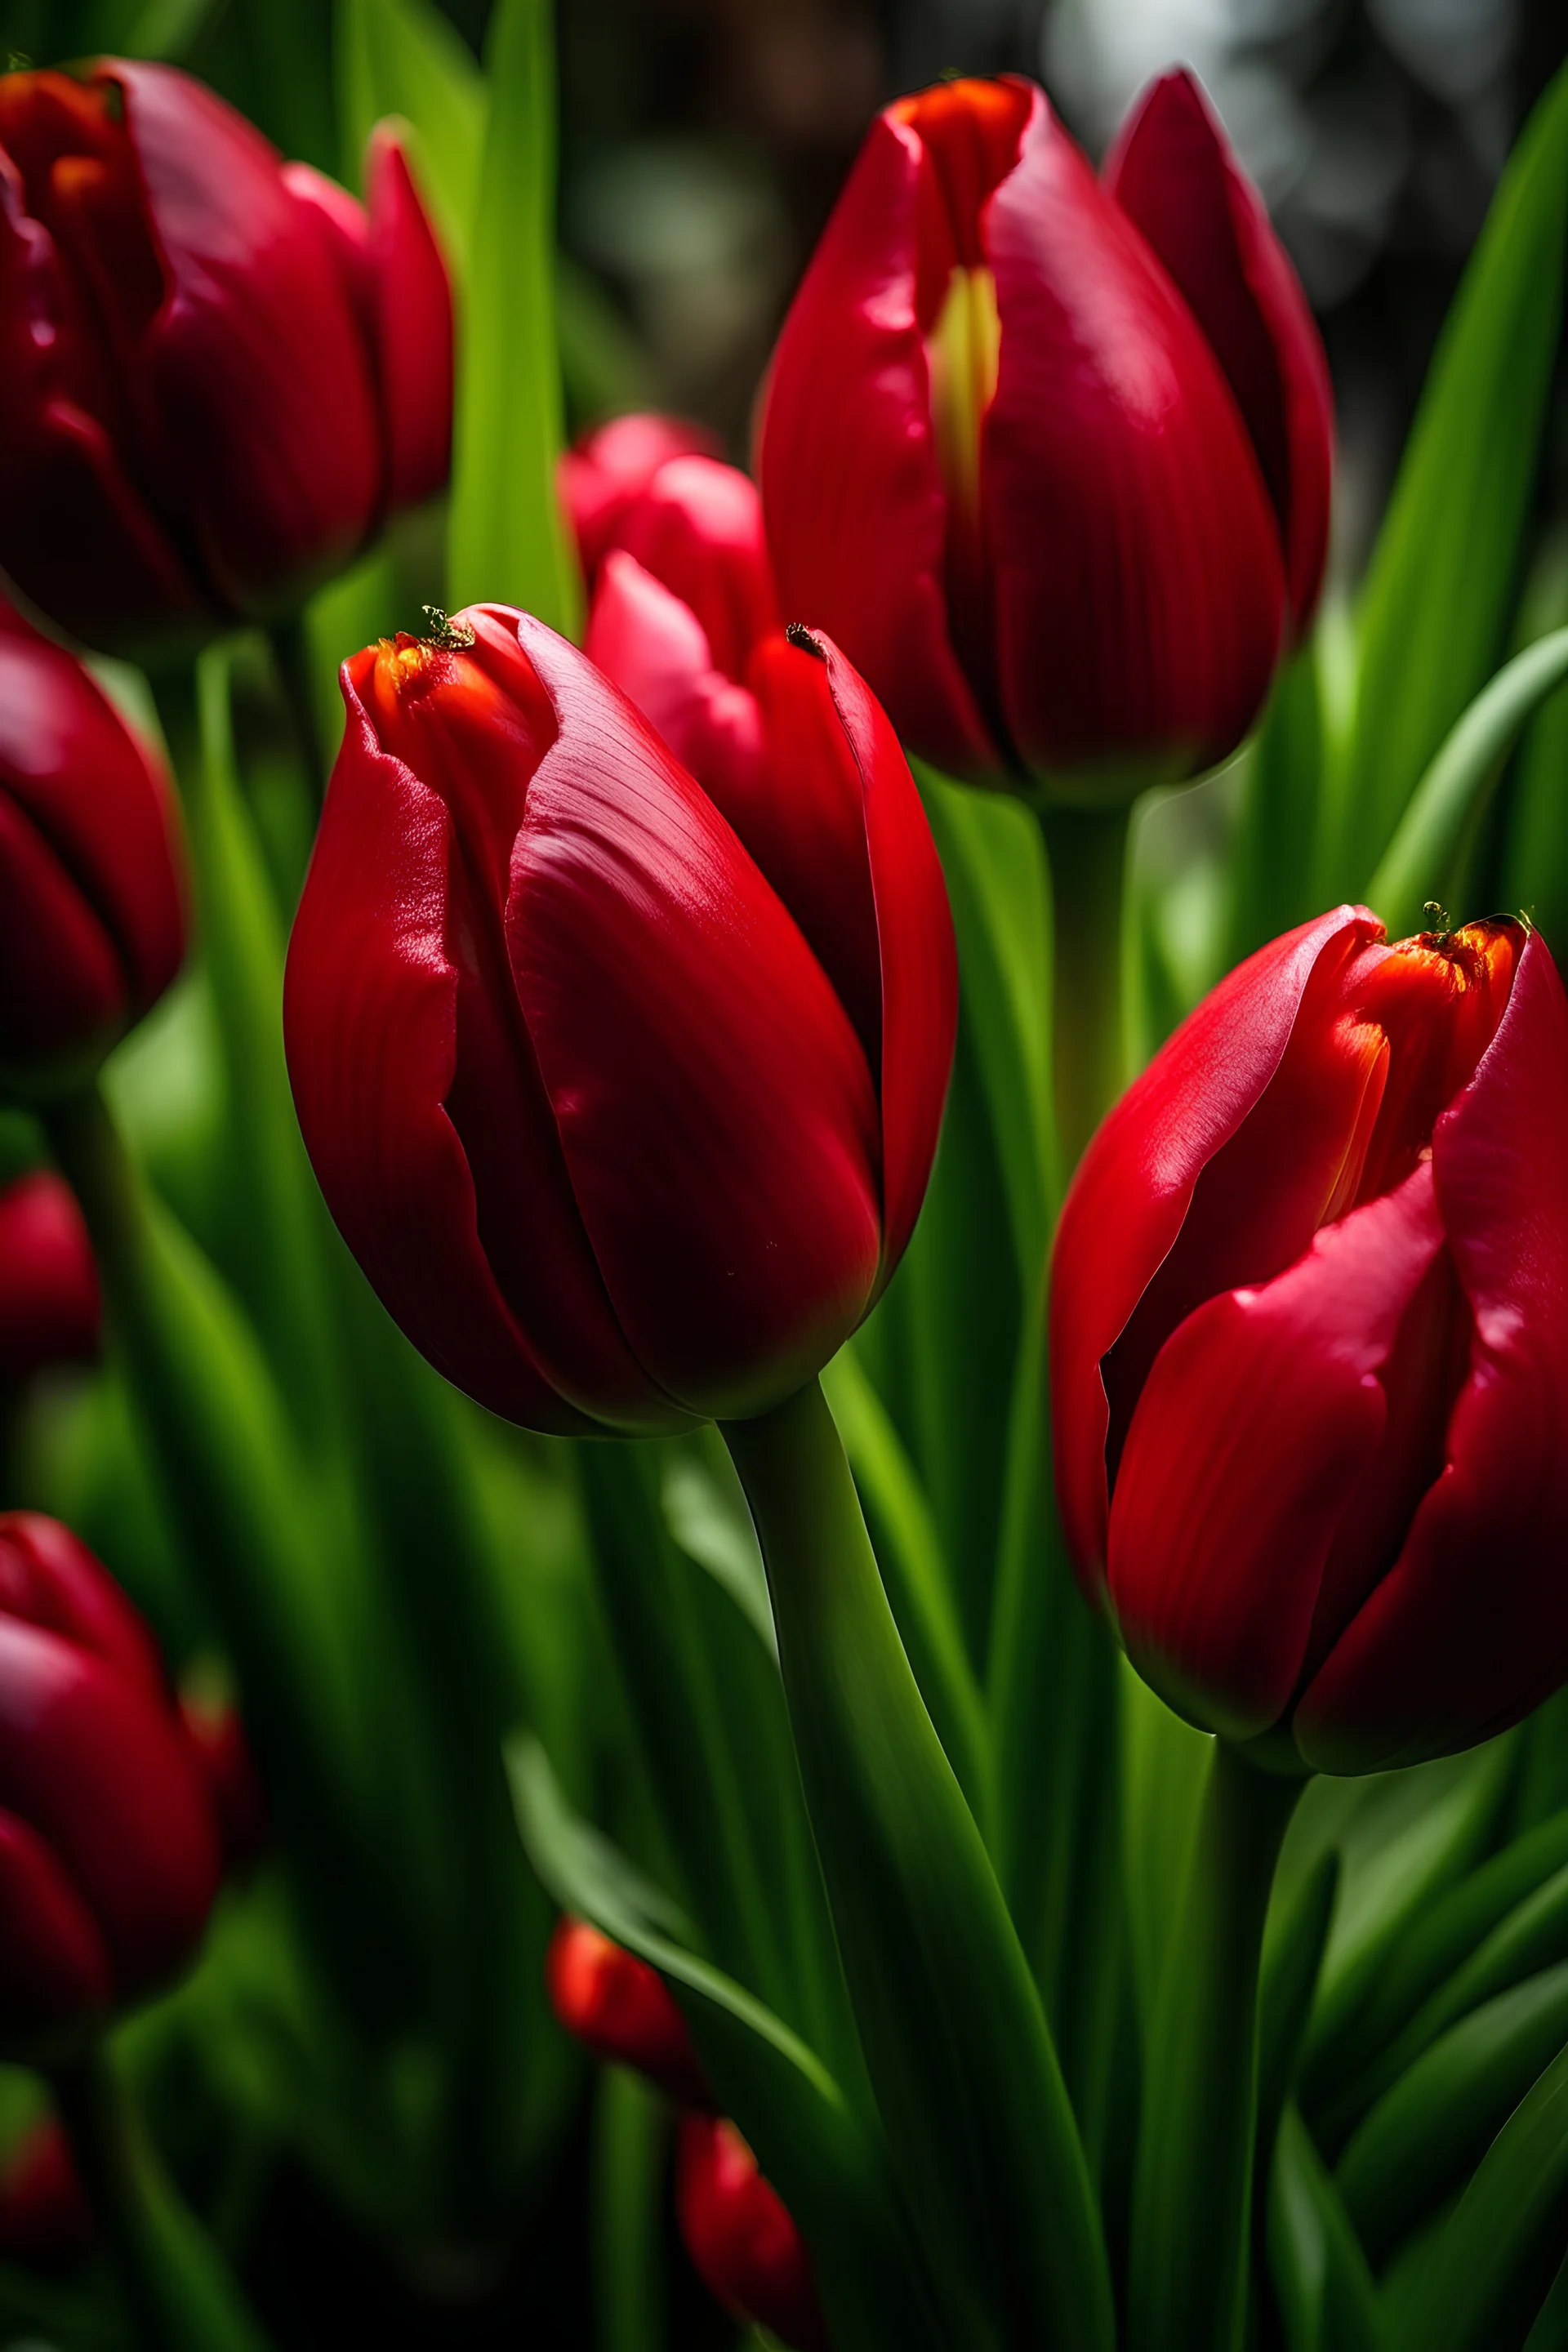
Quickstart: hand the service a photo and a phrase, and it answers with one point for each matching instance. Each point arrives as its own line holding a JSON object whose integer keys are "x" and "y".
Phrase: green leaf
{"x": 720, "y": 1539}
{"x": 1324, "y": 2291}
{"x": 1443, "y": 580}
{"x": 1535, "y": 848}
{"x": 1419, "y": 861}
{"x": 1274, "y": 853}
{"x": 1419, "y": 2140}
{"x": 403, "y": 58}
{"x": 508, "y": 538}
{"x": 1293, "y": 1947}
{"x": 1505, "y": 2238}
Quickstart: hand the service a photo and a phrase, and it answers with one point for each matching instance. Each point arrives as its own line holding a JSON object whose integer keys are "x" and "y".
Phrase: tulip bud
{"x": 49, "y": 1304}
{"x": 628, "y": 1122}
{"x": 1310, "y": 1346}
{"x": 622, "y": 2011}
{"x": 1044, "y": 453}
{"x": 91, "y": 903}
{"x": 611, "y": 467}
{"x": 45, "y": 2221}
{"x": 216, "y": 377}
{"x": 108, "y": 1852}
{"x": 218, "y": 1740}
{"x": 743, "y": 2242}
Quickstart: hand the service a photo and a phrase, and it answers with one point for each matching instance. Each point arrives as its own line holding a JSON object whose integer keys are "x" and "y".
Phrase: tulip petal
{"x": 1135, "y": 1185}
{"x": 656, "y": 650}
{"x": 715, "y": 1107}
{"x": 62, "y": 986}
{"x": 48, "y": 1576}
{"x": 698, "y": 528}
{"x": 371, "y": 1023}
{"x": 108, "y": 1783}
{"x": 1138, "y": 581}
{"x": 51, "y": 1309}
{"x": 855, "y": 510}
{"x": 1172, "y": 172}
{"x": 613, "y": 466}
{"x": 254, "y": 409}
{"x": 1261, "y": 1412}
{"x": 1469, "y": 1628}
{"x": 54, "y": 1969}
{"x": 414, "y": 332}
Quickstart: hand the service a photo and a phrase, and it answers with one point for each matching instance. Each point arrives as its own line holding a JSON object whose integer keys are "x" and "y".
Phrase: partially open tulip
{"x": 218, "y": 373}
{"x": 1310, "y": 1346}
{"x": 1049, "y": 455}
{"x": 109, "y": 1856}
{"x": 51, "y": 1309}
{"x": 628, "y": 1118}
{"x": 612, "y": 466}
{"x": 622, "y": 2011}
{"x": 743, "y": 2242}
{"x": 92, "y": 902}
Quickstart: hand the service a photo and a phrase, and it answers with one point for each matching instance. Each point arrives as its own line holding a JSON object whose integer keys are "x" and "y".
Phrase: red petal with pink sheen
{"x": 254, "y": 409}
{"x": 715, "y": 1107}
{"x": 856, "y": 511}
{"x": 54, "y": 1969}
{"x": 1132, "y": 1192}
{"x": 1174, "y": 172}
{"x": 654, "y": 649}
{"x": 370, "y": 1022}
{"x": 48, "y": 1576}
{"x": 1137, "y": 576}
{"x": 50, "y": 1310}
{"x": 62, "y": 986}
{"x": 414, "y": 328}
{"x": 1261, "y": 1413}
{"x": 1469, "y": 1628}
{"x": 698, "y": 528}
{"x": 613, "y": 464}
{"x": 107, "y": 1781}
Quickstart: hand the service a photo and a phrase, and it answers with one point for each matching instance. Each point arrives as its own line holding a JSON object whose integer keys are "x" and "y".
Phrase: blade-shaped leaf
{"x": 403, "y": 58}
{"x": 1324, "y": 2291}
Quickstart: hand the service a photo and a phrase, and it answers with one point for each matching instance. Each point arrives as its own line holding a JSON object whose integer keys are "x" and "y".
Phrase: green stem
{"x": 290, "y": 645}
{"x": 1192, "y": 2185}
{"x": 956, "y": 2042}
{"x": 1086, "y": 852}
{"x": 626, "y": 2214}
{"x": 180, "y": 2295}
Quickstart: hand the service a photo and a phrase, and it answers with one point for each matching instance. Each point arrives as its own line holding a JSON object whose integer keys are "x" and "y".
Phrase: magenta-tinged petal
{"x": 1172, "y": 172}
{"x": 613, "y": 465}
{"x": 697, "y": 526}
{"x": 54, "y": 1969}
{"x": 1469, "y": 1628}
{"x": 48, "y": 1576}
{"x": 62, "y": 986}
{"x": 1135, "y": 1183}
{"x": 1137, "y": 577}
{"x": 671, "y": 1000}
{"x": 856, "y": 515}
{"x": 51, "y": 1309}
{"x": 1261, "y": 1413}
{"x": 656, "y": 650}
{"x": 414, "y": 328}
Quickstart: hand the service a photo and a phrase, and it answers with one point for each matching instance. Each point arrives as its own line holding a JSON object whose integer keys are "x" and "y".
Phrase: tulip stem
{"x": 181, "y": 2294}
{"x": 1086, "y": 852}
{"x": 956, "y": 2041}
{"x": 1192, "y": 2195}
{"x": 290, "y": 646}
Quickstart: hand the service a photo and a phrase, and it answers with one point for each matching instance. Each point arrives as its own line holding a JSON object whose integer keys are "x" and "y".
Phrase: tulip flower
{"x": 627, "y": 1114}
{"x": 613, "y": 467}
{"x": 1310, "y": 1346}
{"x": 219, "y": 374}
{"x": 109, "y": 1858}
{"x": 51, "y": 1309}
{"x": 1047, "y": 455}
{"x": 44, "y": 2217}
{"x": 622, "y": 2011}
{"x": 217, "y": 1738}
{"x": 91, "y": 901}
{"x": 743, "y": 2242}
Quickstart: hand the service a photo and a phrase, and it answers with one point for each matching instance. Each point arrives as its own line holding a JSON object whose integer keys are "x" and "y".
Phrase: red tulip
{"x": 1042, "y": 452}
{"x": 108, "y": 1852}
{"x": 217, "y": 374}
{"x": 622, "y": 2011}
{"x": 612, "y": 466}
{"x": 627, "y": 1127}
{"x": 92, "y": 912}
{"x": 217, "y": 1738}
{"x": 45, "y": 2221}
{"x": 743, "y": 2244}
{"x": 1310, "y": 1346}
{"x": 49, "y": 1304}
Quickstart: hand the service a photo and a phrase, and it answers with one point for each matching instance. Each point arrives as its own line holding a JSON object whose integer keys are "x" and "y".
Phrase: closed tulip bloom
{"x": 1049, "y": 455}
{"x": 51, "y": 1309}
{"x": 109, "y": 1858}
{"x": 612, "y": 466}
{"x": 218, "y": 373}
{"x": 743, "y": 2242}
{"x": 45, "y": 2221}
{"x": 1310, "y": 1346}
{"x": 93, "y": 925}
{"x": 627, "y": 1116}
{"x": 622, "y": 2011}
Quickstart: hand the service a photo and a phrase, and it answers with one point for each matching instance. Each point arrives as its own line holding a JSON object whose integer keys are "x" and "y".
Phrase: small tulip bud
{"x": 622, "y": 2011}
{"x": 741, "y": 2240}
{"x": 51, "y": 1309}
